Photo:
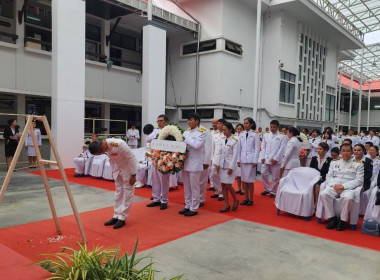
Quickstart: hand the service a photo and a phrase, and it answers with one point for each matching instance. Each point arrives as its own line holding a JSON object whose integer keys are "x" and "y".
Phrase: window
{"x": 204, "y": 46}
{"x": 287, "y": 87}
{"x": 7, "y": 8}
{"x": 233, "y": 47}
{"x": 124, "y": 42}
{"x": 330, "y": 108}
{"x": 203, "y": 113}
{"x": 93, "y": 32}
{"x": 38, "y": 13}
{"x": 231, "y": 114}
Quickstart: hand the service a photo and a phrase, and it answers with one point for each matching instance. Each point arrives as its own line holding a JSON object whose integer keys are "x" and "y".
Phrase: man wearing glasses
{"x": 160, "y": 182}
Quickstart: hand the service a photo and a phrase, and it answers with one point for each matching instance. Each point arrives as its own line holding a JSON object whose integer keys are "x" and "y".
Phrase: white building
{"x": 130, "y": 68}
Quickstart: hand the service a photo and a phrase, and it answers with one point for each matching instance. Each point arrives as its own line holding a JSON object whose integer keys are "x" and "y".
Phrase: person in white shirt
{"x": 133, "y": 135}
{"x": 272, "y": 152}
{"x": 195, "y": 138}
{"x": 292, "y": 151}
{"x": 355, "y": 139}
{"x": 314, "y": 142}
{"x": 328, "y": 139}
{"x": 206, "y": 164}
{"x": 29, "y": 145}
{"x": 249, "y": 152}
{"x": 84, "y": 160}
{"x": 239, "y": 128}
{"x": 373, "y": 138}
{"x": 226, "y": 165}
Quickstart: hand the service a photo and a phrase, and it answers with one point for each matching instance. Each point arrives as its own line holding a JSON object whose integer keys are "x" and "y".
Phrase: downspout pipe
{"x": 197, "y": 56}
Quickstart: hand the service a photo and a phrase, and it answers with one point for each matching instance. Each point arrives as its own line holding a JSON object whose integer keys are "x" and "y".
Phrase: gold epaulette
{"x": 335, "y": 159}
{"x": 234, "y": 138}
{"x": 188, "y": 129}
{"x": 282, "y": 133}
{"x": 114, "y": 144}
{"x": 216, "y": 132}
{"x": 357, "y": 161}
{"x": 202, "y": 129}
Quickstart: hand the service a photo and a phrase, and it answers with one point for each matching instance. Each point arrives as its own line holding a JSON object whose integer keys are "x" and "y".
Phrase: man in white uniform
{"x": 373, "y": 138}
{"x": 206, "y": 163}
{"x": 124, "y": 168}
{"x": 355, "y": 139}
{"x": 133, "y": 135}
{"x": 345, "y": 175}
{"x": 272, "y": 152}
{"x": 214, "y": 134}
{"x": 195, "y": 138}
{"x": 314, "y": 142}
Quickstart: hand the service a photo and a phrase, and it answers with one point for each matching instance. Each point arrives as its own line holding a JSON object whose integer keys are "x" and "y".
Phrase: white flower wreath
{"x": 170, "y": 130}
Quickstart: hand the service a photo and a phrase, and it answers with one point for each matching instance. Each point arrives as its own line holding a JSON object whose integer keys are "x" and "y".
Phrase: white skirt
{"x": 31, "y": 151}
{"x": 238, "y": 171}
{"x": 248, "y": 173}
{"x": 225, "y": 178}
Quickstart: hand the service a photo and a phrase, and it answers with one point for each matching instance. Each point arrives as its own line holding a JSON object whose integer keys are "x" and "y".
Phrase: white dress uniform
{"x": 249, "y": 152}
{"x": 214, "y": 175}
{"x": 227, "y": 156}
{"x": 272, "y": 147}
{"x": 83, "y": 163}
{"x": 331, "y": 145}
{"x": 314, "y": 142}
{"x": 291, "y": 159}
{"x": 238, "y": 168}
{"x": 124, "y": 164}
{"x": 133, "y": 135}
{"x": 350, "y": 174}
{"x": 206, "y": 161}
{"x": 374, "y": 139}
{"x": 195, "y": 140}
{"x": 29, "y": 142}
{"x": 355, "y": 139}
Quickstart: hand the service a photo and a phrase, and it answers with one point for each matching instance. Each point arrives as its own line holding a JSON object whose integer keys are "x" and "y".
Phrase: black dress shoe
{"x": 265, "y": 193}
{"x": 272, "y": 195}
{"x": 111, "y": 222}
{"x": 332, "y": 223}
{"x": 183, "y": 211}
{"x": 239, "y": 191}
{"x": 210, "y": 189}
{"x": 224, "y": 210}
{"x": 201, "y": 204}
{"x": 214, "y": 196}
{"x": 235, "y": 206}
{"x": 163, "y": 206}
{"x": 341, "y": 225}
{"x": 119, "y": 224}
{"x": 190, "y": 213}
{"x": 220, "y": 198}
{"x": 249, "y": 203}
{"x": 244, "y": 202}
{"x": 153, "y": 204}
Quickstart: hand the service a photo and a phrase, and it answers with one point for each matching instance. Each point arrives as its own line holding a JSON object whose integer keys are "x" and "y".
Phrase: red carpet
{"x": 263, "y": 212}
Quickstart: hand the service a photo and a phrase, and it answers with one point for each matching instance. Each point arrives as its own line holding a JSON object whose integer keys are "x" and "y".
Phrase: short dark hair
{"x": 333, "y": 150}
{"x": 194, "y": 116}
{"x": 148, "y": 128}
{"x": 239, "y": 124}
{"x": 348, "y": 140}
{"x": 373, "y": 130}
{"x": 95, "y": 147}
{"x": 361, "y": 146}
{"x": 163, "y": 116}
{"x": 230, "y": 127}
{"x": 294, "y": 131}
{"x": 376, "y": 148}
{"x": 329, "y": 133}
{"x": 252, "y": 122}
{"x": 326, "y": 147}
{"x": 223, "y": 121}
{"x": 345, "y": 145}
{"x": 275, "y": 122}
{"x": 317, "y": 131}
{"x": 369, "y": 143}
{"x": 10, "y": 121}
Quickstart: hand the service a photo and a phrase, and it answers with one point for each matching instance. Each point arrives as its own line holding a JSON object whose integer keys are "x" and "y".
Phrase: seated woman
{"x": 321, "y": 162}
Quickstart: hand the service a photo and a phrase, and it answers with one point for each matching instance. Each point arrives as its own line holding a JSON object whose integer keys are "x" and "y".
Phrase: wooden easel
{"x": 41, "y": 163}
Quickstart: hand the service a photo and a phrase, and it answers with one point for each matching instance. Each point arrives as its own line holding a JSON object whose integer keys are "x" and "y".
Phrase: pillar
{"x": 369, "y": 105}
{"x": 106, "y": 114}
{"x": 360, "y": 91}
{"x": 68, "y": 77}
{"x": 350, "y": 109}
{"x": 21, "y": 104}
{"x": 154, "y": 73}
{"x": 105, "y": 29}
{"x": 257, "y": 60}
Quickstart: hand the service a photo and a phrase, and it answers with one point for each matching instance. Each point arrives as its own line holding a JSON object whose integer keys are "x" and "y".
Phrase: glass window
{"x": 231, "y": 114}
{"x": 287, "y": 87}
{"x": 7, "y": 8}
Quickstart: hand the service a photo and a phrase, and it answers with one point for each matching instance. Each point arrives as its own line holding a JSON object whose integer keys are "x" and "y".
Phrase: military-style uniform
{"x": 350, "y": 174}
{"x": 314, "y": 142}
{"x": 249, "y": 152}
{"x": 206, "y": 161}
{"x": 214, "y": 175}
{"x": 195, "y": 140}
{"x": 227, "y": 158}
{"x": 374, "y": 140}
{"x": 133, "y": 135}
{"x": 123, "y": 164}
{"x": 272, "y": 147}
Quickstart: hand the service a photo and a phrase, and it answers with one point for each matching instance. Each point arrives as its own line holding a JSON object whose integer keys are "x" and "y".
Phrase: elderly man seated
{"x": 344, "y": 176}
{"x": 83, "y": 161}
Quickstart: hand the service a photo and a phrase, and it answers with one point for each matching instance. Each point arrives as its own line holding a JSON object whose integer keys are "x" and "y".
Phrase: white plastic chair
{"x": 97, "y": 166}
{"x": 373, "y": 211}
{"x": 295, "y": 193}
{"x": 107, "y": 171}
{"x": 364, "y": 196}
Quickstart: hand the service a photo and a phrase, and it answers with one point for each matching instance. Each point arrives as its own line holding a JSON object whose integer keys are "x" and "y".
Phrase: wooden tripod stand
{"x": 41, "y": 163}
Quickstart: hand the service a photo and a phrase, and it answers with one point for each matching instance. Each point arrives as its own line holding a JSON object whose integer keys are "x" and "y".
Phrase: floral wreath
{"x": 169, "y": 162}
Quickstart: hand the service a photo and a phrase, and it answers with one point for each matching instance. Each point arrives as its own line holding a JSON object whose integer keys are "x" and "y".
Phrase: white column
{"x": 350, "y": 110}
{"x": 68, "y": 77}
{"x": 106, "y": 114}
{"x": 21, "y": 110}
{"x": 257, "y": 60}
{"x": 339, "y": 98}
{"x": 105, "y": 29}
{"x": 154, "y": 73}
{"x": 369, "y": 105}
{"x": 20, "y": 51}
{"x": 360, "y": 91}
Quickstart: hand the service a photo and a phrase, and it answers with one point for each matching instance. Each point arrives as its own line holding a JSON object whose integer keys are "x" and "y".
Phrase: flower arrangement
{"x": 302, "y": 154}
{"x": 169, "y": 162}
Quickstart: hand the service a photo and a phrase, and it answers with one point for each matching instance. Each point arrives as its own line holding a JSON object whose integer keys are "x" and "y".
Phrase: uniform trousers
{"x": 273, "y": 169}
{"x": 132, "y": 146}
{"x": 327, "y": 197}
{"x": 203, "y": 183}
{"x": 123, "y": 198}
{"x": 191, "y": 185}
{"x": 215, "y": 181}
{"x": 160, "y": 186}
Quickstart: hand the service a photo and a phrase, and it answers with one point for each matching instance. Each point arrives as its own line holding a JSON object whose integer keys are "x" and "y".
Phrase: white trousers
{"x": 215, "y": 181}
{"x": 273, "y": 169}
{"x": 327, "y": 199}
{"x": 123, "y": 198}
{"x": 203, "y": 184}
{"x": 191, "y": 186}
{"x": 160, "y": 186}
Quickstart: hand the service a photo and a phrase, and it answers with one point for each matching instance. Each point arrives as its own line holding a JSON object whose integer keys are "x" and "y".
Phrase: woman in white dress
{"x": 133, "y": 135}
{"x": 327, "y": 137}
{"x": 239, "y": 128}
{"x": 226, "y": 165}
{"x": 249, "y": 150}
{"x": 292, "y": 149}
{"x": 30, "y": 146}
